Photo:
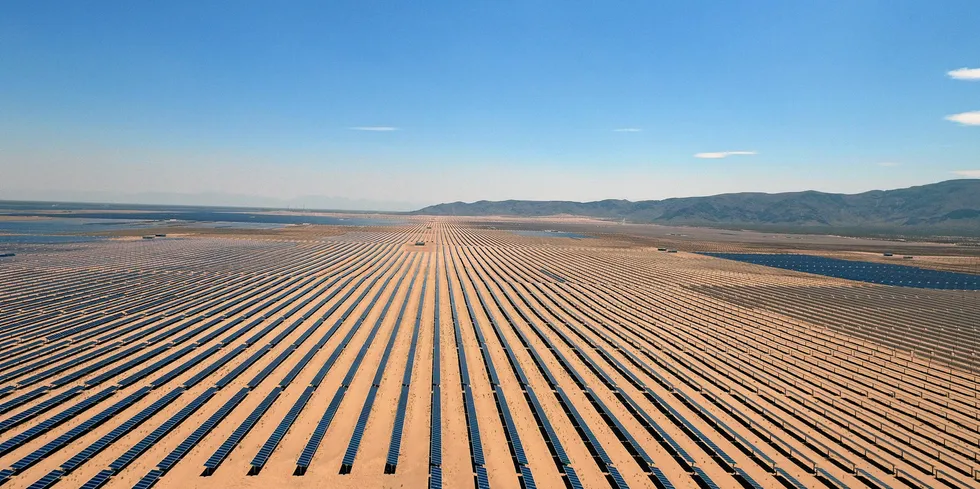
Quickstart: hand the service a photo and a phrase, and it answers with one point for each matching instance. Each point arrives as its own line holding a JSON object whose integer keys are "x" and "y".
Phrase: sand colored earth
{"x": 303, "y": 357}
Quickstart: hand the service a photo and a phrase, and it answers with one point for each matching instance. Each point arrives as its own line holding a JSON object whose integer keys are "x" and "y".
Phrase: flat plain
{"x": 450, "y": 352}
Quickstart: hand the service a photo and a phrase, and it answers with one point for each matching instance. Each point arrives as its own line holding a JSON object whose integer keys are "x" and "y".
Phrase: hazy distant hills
{"x": 946, "y": 207}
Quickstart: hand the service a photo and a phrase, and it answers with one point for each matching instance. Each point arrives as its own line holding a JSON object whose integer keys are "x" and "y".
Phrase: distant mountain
{"x": 952, "y": 206}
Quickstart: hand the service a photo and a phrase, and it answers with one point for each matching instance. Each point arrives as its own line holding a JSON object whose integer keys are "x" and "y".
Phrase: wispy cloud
{"x": 628, "y": 129}
{"x": 888, "y": 164}
{"x": 374, "y": 128}
{"x": 723, "y": 154}
{"x": 972, "y": 74}
{"x": 967, "y": 173}
{"x": 966, "y": 118}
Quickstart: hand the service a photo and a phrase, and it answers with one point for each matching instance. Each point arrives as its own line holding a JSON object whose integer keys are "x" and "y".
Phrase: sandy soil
{"x": 765, "y": 367}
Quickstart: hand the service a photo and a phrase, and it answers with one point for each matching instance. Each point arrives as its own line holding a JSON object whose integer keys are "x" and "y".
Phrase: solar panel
{"x": 394, "y": 446}
{"x": 178, "y": 453}
{"x": 435, "y": 477}
{"x": 22, "y": 399}
{"x": 148, "y": 480}
{"x": 511, "y": 427}
{"x": 236, "y": 437}
{"x": 703, "y": 479}
{"x": 629, "y": 441}
{"x": 44, "y": 426}
{"x": 47, "y": 481}
{"x": 482, "y": 480}
{"x": 99, "y": 480}
{"x": 168, "y": 425}
{"x": 594, "y": 446}
{"x": 173, "y": 373}
{"x": 201, "y": 375}
{"x": 270, "y": 445}
{"x": 355, "y": 441}
{"x": 476, "y": 445}
{"x": 871, "y": 480}
{"x": 527, "y": 478}
{"x": 830, "y": 479}
{"x": 78, "y": 431}
{"x": 259, "y": 377}
{"x": 435, "y": 428}
{"x": 660, "y": 479}
{"x": 617, "y": 479}
{"x": 306, "y": 457}
{"x": 572, "y": 477}
{"x": 5, "y": 475}
{"x": 789, "y": 479}
{"x": 746, "y": 480}
{"x": 884, "y": 273}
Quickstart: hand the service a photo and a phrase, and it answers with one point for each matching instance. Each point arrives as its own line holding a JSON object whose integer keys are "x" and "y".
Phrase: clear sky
{"x": 395, "y": 104}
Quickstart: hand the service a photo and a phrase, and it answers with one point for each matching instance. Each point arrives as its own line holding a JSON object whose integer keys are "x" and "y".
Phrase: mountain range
{"x": 950, "y": 207}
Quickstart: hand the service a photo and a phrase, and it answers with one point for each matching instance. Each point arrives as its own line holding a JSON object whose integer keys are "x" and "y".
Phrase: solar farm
{"x": 446, "y": 353}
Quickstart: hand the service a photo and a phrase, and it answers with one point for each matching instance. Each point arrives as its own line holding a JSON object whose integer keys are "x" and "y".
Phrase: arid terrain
{"x": 450, "y": 352}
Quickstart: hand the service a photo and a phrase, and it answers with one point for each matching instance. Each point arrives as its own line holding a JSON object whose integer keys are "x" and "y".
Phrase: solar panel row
{"x": 879, "y": 273}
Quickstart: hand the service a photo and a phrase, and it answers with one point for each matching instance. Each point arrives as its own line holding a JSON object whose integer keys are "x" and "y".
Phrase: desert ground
{"x": 452, "y": 352}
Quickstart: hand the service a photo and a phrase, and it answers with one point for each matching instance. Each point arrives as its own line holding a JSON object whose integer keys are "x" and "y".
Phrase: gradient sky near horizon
{"x": 398, "y": 104}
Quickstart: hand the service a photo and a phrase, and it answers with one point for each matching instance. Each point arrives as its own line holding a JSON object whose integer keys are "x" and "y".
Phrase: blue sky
{"x": 560, "y": 99}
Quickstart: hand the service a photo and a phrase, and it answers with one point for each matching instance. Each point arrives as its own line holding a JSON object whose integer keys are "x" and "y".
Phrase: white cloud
{"x": 374, "y": 128}
{"x": 723, "y": 154}
{"x": 967, "y": 173}
{"x": 888, "y": 163}
{"x": 966, "y": 118}
{"x": 628, "y": 129}
{"x": 972, "y": 74}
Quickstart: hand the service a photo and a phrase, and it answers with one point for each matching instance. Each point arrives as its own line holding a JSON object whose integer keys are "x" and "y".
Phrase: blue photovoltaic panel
{"x": 435, "y": 429}
{"x": 660, "y": 479}
{"x": 98, "y": 481}
{"x": 747, "y": 480}
{"x": 705, "y": 480}
{"x": 270, "y": 445}
{"x": 878, "y": 273}
{"x": 617, "y": 478}
{"x": 168, "y": 425}
{"x": 148, "y": 480}
{"x": 527, "y": 479}
{"x": 573, "y": 481}
{"x": 191, "y": 441}
{"x": 482, "y": 480}
{"x": 871, "y": 479}
{"x": 47, "y": 481}
{"x": 476, "y": 444}
{"x": 789, "y": 479}
{"x": 435, "y": 477}
{"x": 236, "y": 437}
